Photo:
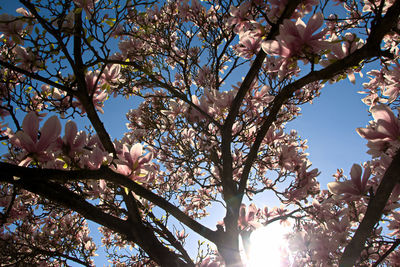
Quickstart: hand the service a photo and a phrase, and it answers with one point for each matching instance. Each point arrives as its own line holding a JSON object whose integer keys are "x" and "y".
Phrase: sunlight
{"x": 269, "y": 247}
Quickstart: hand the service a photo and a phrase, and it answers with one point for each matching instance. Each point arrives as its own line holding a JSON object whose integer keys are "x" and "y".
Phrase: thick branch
{"x": 11, "y": 170}
{"x": 374, "y": 212}
{"x": 231, "y": 196}
{"x": 82, "y": 93}
{"x": 146, "y": 237}
{"x": 35, "y": 181}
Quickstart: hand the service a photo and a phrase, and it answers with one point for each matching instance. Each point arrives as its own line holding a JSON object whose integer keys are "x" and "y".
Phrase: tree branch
{"x": 369, "y": 50}
{"x": 374, "y": 212}
{"x": 35, "y": 76}
{"x": 33, "y": 180}
{"x": 390, "y": 250}
{"x": 10, "y": 170}
{"x": 169, "y": 88}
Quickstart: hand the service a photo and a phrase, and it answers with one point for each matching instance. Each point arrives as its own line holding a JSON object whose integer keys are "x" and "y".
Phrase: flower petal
{"x": 355, "y": 174}
{"x": 136, "y": 152}
{"x": 70, "y": 132}
{"x": 30, "y": 125}
{"x": 49, "y": 133}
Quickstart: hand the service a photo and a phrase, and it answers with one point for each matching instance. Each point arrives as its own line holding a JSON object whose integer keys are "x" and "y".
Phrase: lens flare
{"x": 269, "y": 246}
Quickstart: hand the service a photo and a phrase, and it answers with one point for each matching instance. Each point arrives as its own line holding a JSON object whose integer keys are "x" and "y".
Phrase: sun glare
{"x": 269, "y": 247}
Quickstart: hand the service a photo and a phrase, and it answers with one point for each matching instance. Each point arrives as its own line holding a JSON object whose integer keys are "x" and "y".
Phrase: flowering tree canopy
{"x": 202, "y": 134}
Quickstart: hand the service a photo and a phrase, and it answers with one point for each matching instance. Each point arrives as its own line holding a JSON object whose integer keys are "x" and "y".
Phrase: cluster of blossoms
{"x": 75, "y": 149}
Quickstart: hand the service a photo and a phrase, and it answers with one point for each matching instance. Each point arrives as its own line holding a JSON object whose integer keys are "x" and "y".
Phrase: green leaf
{"x": 110, "y": 22}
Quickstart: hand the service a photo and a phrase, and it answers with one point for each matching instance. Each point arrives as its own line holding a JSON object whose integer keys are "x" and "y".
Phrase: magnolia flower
{"x": 131, "y": 163}
{"x": 93, "y": 81}
{"x": 95, "y": 158}
{"x": 11, "y": 27}
{"x": 240, "y": 17}
{"x": 392, "y": 89}
{"x": 297, "y": 38}
{"x": 73, "y": 141}
{"x": 93, "y": 86}
{"x": 212, "y": 261}
{"x": 27, "y": 139}
{"x": 87, "y": 5}
{"x": 112, "y": 73}
{"x": 357, "y": 186}
{"x": 247, "y": 217}
{"x": 249, "y": 44}
{"x": 386, "y": 126}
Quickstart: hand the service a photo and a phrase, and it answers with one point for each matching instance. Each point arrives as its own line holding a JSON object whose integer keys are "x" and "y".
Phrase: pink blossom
{"x": 73, "y": 141}
{"x": 386, "y": 126}
{"x": 27, "y": 139}
{"x": 11, "y": 27}
{"x": 297, "y": 38}
{"x": 342, "y": 49}
{"x": 247, "y": 217}
{"x": 26, "y": 59}
{"x": 112, "y": 73}
{"x": 131, "y": 162}
{"x": 95, "y": 158}
{"x": 239, "y": 17}
{"x": 212, "y": 261}
{"x": 87, "y": 5}
{"x": 93, "y": 86}
{"x": 181, "y": 235}
{"x": 374, "y": 5}
{"x": 288, "y": 157}
{"x": 392, "y": 89}
{"x": 249, "y": 44}
{"x": 357, "y": 186}
{"x": 24, "y": 12}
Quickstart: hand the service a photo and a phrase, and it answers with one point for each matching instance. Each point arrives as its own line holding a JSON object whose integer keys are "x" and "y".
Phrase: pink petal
{"x": 49, "y": 133}
{"x": 95, "y": 158}
{"x": 355, "y": 174}
{"x": 370, "y": 134}
{"x": 195, "y": 100}
{"x": 313, "y": 24}
{"x": 123, "y": 169}
{"x": 70, "y": 132}
{"x": 367, "y": 174}
{"x": 289, "y": 28}
{"x": 80, "y": 140}
{"x": 382, "y": 112}
{"x": 387, "y": 129}
{"x": 25, "y": 162}
{"x": 274, "y": 48}
{"x": 147, "y": 158}
{"x": 136, "y": 152}
{"x": 24, "y": 141}
{"x": 30, "y": 125}
{"x": 338, "y": 188}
